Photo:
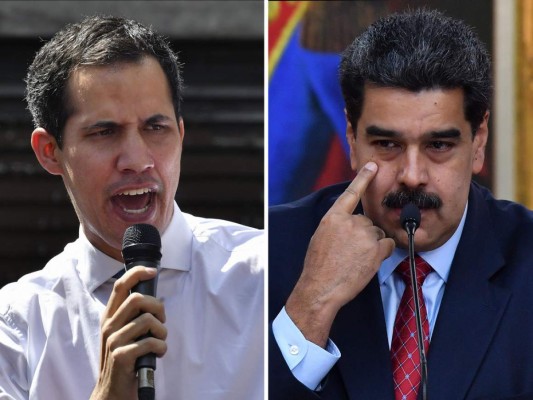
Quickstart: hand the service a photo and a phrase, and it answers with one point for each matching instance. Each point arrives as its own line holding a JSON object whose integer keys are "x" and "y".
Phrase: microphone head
{"x": 141, "y": 234}
{"x": 410, "y": 214}
{"x": 141, "y": 242}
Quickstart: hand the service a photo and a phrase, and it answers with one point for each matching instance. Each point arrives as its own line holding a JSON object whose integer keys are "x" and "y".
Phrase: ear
{"x": 181, "y": 127}
{"x": 47, "y": 151}
{"x": 480, "y": 144}
{"x": 350, "y": 138}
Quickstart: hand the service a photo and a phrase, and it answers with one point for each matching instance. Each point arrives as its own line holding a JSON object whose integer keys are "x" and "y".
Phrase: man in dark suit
{"x": 417, "y": 89}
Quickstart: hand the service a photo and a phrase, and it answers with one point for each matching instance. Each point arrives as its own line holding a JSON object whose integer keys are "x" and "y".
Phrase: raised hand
{"x": 344, "y": 254}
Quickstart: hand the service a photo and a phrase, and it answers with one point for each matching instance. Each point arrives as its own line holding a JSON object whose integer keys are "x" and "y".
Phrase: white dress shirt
{"x": 211, "y": 283}
{"x": 310, "y": 363}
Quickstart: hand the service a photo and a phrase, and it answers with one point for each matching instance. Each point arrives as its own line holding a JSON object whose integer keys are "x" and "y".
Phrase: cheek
{"x": 452, "y": 188}
{"x": 378, "y": 189}
{"x": 451, "y": 178}
{"x": 385, "y": 179}
{"x": 89, "y": 179}
{"x": 170, "y": 167}
{"x": 74, "y": 175}
{"x": 361, "y": 153}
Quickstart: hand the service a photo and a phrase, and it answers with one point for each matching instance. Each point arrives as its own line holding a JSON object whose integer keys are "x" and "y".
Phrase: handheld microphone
{"x": 141, "y": 245}
{"x": 410, "y": 221}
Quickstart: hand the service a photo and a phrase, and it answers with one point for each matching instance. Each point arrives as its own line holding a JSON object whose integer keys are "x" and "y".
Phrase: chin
{"x": 423, "y": 244}
{"x": 401, "y": 243}
{"x": 399, "y": 236}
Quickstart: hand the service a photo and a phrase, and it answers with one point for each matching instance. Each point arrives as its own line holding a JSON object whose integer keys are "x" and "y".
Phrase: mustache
{"x": 139, "y": 180}
{"x": 419, "y": 198}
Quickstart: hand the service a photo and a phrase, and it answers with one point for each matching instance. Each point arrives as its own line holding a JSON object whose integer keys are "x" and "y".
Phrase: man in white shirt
{"x": 105, "y": 97}
{"x": 417, "y": 89}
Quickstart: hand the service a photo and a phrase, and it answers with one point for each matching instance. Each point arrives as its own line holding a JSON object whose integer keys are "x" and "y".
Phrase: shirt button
{"x": 294, "y": 350}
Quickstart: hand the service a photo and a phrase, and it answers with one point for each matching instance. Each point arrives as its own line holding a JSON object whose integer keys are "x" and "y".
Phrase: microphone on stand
{"x": 410, "y": 221}
{"x": 141, "y": 245}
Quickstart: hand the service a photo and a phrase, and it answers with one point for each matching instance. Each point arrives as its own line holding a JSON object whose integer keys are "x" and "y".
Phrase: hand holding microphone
{"x": 129, "y": 317}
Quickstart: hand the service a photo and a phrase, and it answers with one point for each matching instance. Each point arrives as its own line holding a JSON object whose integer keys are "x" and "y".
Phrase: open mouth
{"x": 134, "y": 201}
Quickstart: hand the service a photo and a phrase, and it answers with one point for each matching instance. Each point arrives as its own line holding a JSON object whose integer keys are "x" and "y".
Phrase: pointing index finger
{"x": 349, "y": 199}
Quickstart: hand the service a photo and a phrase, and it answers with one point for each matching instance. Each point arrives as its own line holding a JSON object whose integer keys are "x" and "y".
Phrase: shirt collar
{"x": 440, "y": 258}
{"x": 95, "y": 267}
{"x": 176, "y": 243}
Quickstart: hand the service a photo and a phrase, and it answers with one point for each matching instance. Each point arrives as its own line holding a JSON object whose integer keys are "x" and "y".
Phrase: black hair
{"x": 97, "y": 40}
{"x": 416, "y": 50}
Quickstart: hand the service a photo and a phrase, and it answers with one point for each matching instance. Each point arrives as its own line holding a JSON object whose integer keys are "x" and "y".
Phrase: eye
{"x": 440, "y": 145}
{"x": 103, "y": 132}
{"x": 156, "y": 127}
{"x": 386, "y": 144}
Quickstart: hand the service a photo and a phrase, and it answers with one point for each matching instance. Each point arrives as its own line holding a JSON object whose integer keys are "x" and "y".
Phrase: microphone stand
{"x": 410, "y": 226}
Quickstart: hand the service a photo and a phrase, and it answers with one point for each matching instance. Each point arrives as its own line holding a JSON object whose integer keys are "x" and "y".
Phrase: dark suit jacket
{"x": 482, "y": 344}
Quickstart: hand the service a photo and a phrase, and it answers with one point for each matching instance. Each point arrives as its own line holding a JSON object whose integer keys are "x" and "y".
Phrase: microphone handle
{"x": 423, "y": 362}
{"x": 145, "y": 365}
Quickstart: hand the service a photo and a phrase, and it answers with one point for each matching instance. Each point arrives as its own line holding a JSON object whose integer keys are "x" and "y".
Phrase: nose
{"x": 413, "y": 171}
{"x": 134, "y": 153}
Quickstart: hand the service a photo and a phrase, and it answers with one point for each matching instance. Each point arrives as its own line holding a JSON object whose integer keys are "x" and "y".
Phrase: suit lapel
{"x": 360, "y": 332}
{"x": 471, "y": 308}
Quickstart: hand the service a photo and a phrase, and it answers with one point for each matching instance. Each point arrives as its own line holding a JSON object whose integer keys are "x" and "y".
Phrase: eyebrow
{"x": 157, "y": 118}
{"x": 105, "y": 124}
{"x": 373, "y": 130}
{"x": 101, "y": 125}
{"x": 451, "y": 133}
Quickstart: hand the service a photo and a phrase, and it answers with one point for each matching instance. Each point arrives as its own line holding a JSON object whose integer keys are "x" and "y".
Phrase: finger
{"x": 380, "y": 233}
{"x": 122, "y": 287}
{"x": 349, "y": 199}
{"x": 386, "y": 247}
{"x": 117, "y": 331}
{"x": 126, "y": 355}
{"x": 144, "y": 325}
{"x": 135, "y": 305}
{"x": 149, "y": 345}
{"x": 362, "y": 220}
